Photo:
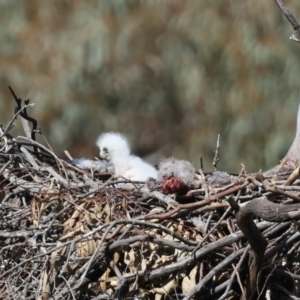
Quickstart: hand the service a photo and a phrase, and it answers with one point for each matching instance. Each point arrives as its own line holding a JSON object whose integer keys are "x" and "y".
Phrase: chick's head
{"x": 112, "y": 146}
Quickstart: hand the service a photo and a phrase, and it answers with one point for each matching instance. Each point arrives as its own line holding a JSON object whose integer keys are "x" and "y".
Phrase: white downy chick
{"x": 171, "y": 167}
{"x": 176, "y": 175}
{"x": 114, "y": 148}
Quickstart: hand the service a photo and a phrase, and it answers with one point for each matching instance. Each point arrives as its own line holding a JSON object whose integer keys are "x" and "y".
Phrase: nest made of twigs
{"x": 68, "y": 233}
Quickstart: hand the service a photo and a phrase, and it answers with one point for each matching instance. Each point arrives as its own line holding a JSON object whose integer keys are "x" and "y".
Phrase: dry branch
{"x": 292, "y": 20}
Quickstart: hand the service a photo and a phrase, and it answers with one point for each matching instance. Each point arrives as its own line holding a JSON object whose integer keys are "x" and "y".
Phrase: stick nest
{"x": 67, "y": 233}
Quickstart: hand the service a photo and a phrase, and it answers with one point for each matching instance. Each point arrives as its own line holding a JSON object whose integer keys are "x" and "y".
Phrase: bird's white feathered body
{"x": 114, "y": 148}
{"x": 171, "y": 167}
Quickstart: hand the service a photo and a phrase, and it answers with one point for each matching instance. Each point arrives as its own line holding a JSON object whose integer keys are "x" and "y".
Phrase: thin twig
{"x": 216, "y": 157}
{"x": 10, "y": 123}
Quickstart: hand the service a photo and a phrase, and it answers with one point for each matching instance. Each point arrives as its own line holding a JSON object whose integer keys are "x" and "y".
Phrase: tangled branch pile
{"x": 67, "y": 233}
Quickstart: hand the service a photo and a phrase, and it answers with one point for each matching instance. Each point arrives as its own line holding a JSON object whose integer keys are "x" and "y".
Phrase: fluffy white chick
{"x": 172, "y": 167}
{"x": 114, "y": 148}
{"x": 176, "y": 175}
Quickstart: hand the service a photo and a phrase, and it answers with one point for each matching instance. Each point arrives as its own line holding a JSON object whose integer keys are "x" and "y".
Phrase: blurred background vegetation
{"x": 170, "y": 75}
